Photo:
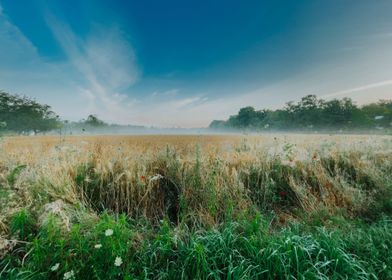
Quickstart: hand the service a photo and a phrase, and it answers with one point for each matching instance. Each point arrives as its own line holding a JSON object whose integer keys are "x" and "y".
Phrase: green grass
{"x": 23, "y": 225}
{"x": 250, "y": 249}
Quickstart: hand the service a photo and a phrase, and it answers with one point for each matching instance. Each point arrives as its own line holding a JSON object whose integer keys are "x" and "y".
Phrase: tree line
{"x": 310, "y": 114}
{"x": 23, "y": 115}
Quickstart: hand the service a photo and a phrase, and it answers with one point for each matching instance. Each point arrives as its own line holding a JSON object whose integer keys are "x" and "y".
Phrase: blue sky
{"x": 184, "y": 63}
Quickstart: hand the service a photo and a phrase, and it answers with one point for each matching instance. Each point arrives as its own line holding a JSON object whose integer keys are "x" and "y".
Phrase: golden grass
{"x": 32, "y": 149}
{"x": 210, "y": 172}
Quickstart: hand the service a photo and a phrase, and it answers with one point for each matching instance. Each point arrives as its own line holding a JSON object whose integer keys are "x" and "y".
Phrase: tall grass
{"x": 205, "y": 208}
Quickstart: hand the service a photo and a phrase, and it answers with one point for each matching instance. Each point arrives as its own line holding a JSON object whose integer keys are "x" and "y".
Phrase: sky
{"x": 184, "y": 63}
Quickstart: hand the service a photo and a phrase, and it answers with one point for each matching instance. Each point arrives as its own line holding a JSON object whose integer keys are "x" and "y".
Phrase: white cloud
{"x": 107, "y": 65}
{"x": 166, "y": 93}
{"x": 181, "y": 103}
{"x": 359, "y": 89}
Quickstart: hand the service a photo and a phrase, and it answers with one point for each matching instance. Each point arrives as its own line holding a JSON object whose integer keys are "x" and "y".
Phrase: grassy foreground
{"x": 196, "y": 207}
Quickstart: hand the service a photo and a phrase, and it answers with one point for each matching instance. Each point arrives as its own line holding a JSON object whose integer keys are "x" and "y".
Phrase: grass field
{"x": 196, "y": 207}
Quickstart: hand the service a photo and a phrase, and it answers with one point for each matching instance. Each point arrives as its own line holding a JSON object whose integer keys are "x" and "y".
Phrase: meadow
{"x": 273, "y": 206}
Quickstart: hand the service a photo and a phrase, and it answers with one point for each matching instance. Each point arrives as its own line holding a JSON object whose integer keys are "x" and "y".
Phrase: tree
{"x": 93, "y": 120}
{"x": 3, "y": 125}
{"x": 217, "y": 124}
{"x": 306, "y": 113}
{"x": 379, "y": 114}
{"x": 22, "y": 114}
{"x": 249, "y": 117}
{"x": 245, "y": 116}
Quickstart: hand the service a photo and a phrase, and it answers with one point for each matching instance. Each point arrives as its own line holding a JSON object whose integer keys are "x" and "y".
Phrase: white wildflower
{"x": 118, "y": 261}
{"x": 156, "y": 177}
{"x": 55, "y": 267}
{"x": 97, "y": 246}
{"x": 108, "y": 232}
{"x": 69, "y": 275}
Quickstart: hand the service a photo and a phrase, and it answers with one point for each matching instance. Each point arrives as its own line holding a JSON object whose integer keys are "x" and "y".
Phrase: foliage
{"x": 311, "y": 113}
{"x": 21, "y": 114}
{"x": 93, "y": 120}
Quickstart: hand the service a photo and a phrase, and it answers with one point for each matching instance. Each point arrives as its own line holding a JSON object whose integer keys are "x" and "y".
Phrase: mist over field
{"x": 195, "y": 139}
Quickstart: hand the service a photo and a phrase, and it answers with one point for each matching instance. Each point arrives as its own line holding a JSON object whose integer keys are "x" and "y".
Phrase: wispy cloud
{"x": 358, "y": 89}
{"x": 166, "y": 93}
{"x": 106, "y": 62}
{"x": 23, "y": 71}
{"x": 95, "y": 78}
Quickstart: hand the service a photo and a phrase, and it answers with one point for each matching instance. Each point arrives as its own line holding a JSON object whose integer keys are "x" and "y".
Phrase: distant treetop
{"x": 311, "y": 113}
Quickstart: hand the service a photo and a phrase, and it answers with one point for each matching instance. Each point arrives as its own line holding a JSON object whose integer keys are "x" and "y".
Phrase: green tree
{"x": 245, "y": 116}
{"x": 217, "y": 124}
{"x": 93, "y": 120}
{"x": 305, "y": 114}
{"x": 248, "y": 117}
{"x": 379, "y": 114}
{"x": 22, "y": 114}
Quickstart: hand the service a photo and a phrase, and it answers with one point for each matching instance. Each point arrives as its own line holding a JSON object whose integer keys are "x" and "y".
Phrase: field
{"x": 196, "y": 207}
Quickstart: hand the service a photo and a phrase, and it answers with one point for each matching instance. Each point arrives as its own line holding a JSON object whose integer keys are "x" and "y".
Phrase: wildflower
{"x": 97, "y": 246}
{"x": 69, "y": 275}
{"x": 143, "y": 178}
{"x": 282, "y": 194}
{"x": 118, "y": 261}
{"x": 55, "y": 267}
{"x": 156, "y": 177}
{"x": 108, "y": 232}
